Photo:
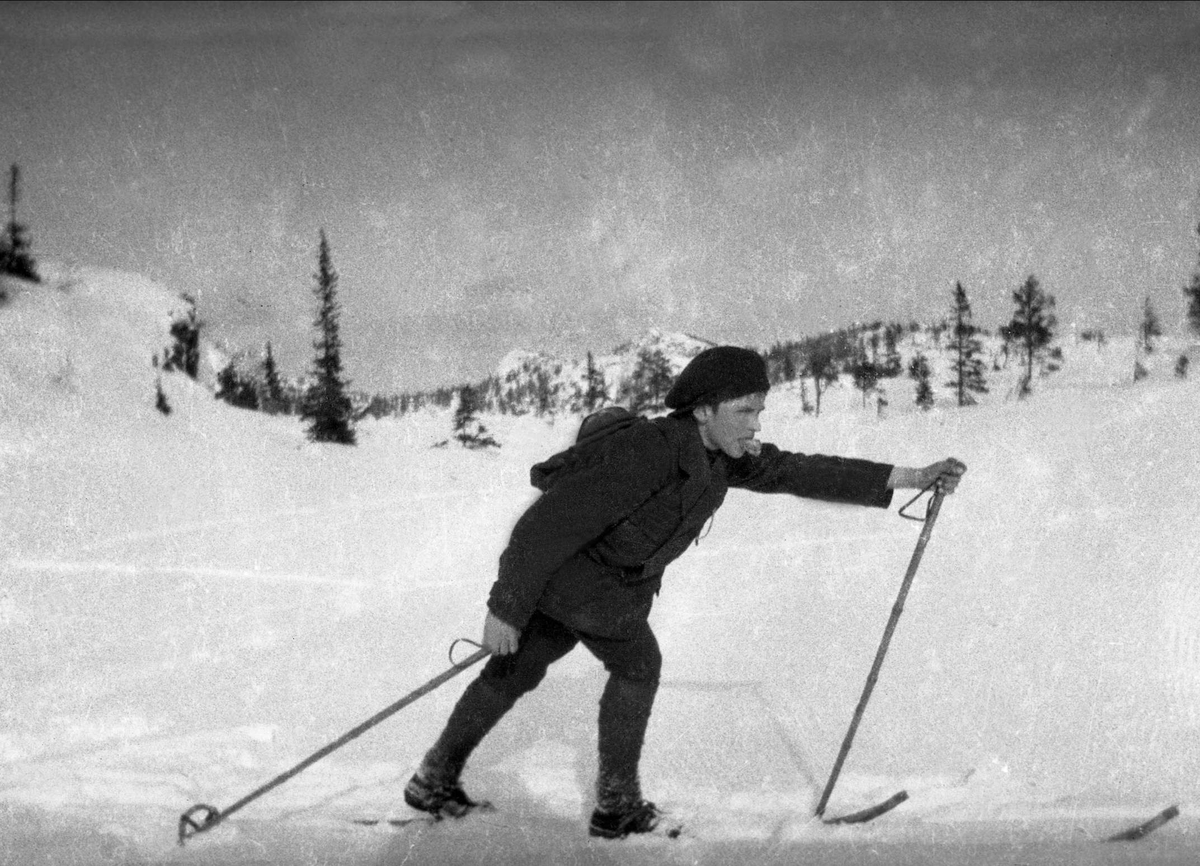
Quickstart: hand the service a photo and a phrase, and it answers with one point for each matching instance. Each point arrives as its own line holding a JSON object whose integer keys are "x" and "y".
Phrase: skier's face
{"x": 731, "y": 426}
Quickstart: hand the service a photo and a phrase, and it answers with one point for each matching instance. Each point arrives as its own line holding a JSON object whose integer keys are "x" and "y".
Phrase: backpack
{"x": 595, "y": 432}
{"x": 598, "y": 437}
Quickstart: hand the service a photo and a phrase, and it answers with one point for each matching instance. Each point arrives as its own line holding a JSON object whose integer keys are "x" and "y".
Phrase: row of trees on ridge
{"x": 869, "y": 354}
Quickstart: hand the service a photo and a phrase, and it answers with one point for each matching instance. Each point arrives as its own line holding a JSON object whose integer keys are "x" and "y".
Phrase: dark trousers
{"x": 633, "y": 667}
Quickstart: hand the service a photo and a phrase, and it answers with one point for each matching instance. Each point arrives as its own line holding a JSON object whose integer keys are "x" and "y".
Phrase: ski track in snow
{"x": 265, "y": 521}
{"x": 132, "y": 570}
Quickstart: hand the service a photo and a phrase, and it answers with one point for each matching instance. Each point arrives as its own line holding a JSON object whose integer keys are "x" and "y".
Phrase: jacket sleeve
{"x": 574, "y": 513}
{"x": 813, "y": 476}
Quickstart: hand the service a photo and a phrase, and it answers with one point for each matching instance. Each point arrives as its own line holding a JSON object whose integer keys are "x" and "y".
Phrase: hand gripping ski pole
{"x": 202, "y": 817}
{"x": 896, "y": 799}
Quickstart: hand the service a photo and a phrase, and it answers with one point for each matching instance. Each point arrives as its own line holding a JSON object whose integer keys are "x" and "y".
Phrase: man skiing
{"x": 586, "y": 559}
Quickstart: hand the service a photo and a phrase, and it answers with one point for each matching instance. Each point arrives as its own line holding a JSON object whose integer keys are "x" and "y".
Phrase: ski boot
{"x": 638, "y": 816}
{"x": 441, "y": 798}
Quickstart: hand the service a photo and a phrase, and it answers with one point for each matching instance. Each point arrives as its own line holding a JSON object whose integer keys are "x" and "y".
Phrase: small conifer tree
{"x": 236, "y": 389}
{"x": 1150, "y": 327}
{"x": 467, "y": 428}
{"x": 273, "y": 399}
{"x": 789, "y": 367}
{"x": 1032, "y": 325}
{"x": 327, "y": 407}
{"x": 544, "y": 392}
{"x": 650, "y": 380}
{"x": 160, "y": 396}
{"x": 15, "y": 257}
{"x": 595, "y": 388}
{"x": 918, "y": 371}
{"x": 1191, "y": 293}
{"x": 865, "y": 373}
{"x": 966, "y": 351}
{"x": 819, "y": 366}
{"x": 892, "y": 363}
{"x": 184, "y": 352}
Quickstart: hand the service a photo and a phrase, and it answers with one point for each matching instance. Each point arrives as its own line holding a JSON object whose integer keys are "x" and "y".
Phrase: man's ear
{"x": 702, "y": 413}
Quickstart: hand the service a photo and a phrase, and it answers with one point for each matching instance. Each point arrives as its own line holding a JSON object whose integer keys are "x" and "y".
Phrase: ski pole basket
{"x": 203, "y": 817}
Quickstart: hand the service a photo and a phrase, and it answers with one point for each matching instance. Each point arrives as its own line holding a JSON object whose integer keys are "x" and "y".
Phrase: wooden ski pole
{"x": 931, "y": 514}
{"x": 209, "y": 816}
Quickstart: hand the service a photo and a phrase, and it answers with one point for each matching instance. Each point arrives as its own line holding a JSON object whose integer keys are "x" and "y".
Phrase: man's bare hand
{"x": 499, "y": 638}
{"x": 947, "y": 471}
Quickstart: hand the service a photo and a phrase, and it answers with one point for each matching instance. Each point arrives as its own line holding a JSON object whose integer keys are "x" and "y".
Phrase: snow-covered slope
{"x": 194, "y": 603}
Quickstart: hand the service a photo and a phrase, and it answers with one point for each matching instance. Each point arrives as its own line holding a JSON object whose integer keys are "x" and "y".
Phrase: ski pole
{"x": 210, "y": 816}
{"x": 931, "y": 514}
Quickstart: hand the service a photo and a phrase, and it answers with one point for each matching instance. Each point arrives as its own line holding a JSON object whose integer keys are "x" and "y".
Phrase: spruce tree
{"x": 1032, "y": 325}
{"x": 235, "y": 389}
{"x": 15, "y": 258}
{"x": 892, "y": 364}
{"x": 865, "y": 373}
{"x": 595, "y": 388}
{"x": 1147, "y": 331}
{"x": 805, "y": 406}
{"x": 966, "y": 350}
{"x": 184, "y": 352}
{"x": 160, "y": 398}
{"x": 544, "y": 391}
{"x": 789, "y": 367}
{"x": 820, "y": 367}
{"x": 650, "y": 380}
{"x": 918, "y": 371}
{"x": 467, "y": 429}
{"x": 1150, "y": 327}
{"x": 273, "y": 399}
{"x": 1191, "y": 293}
{"x": 327, "y": 406}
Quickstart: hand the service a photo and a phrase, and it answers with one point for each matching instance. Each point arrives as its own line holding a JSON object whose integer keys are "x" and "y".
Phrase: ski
{"x": 397, "y": 823}
{"x": 669, "y": 828}
{"x": 1135, "y": 833}
{"x": 429, "y": 819}
{"x": 665, "y": 829}
{"x": 864, "y": 815}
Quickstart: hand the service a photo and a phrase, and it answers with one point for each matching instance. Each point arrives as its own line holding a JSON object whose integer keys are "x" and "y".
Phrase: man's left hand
{"x": 947, "y": 472}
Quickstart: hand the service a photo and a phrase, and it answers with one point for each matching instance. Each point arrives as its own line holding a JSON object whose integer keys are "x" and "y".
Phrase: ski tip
{"x": 1141, "y": 830}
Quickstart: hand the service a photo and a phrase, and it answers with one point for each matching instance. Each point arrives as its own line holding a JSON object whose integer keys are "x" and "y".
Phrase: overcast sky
{"x": 565, "y": 176}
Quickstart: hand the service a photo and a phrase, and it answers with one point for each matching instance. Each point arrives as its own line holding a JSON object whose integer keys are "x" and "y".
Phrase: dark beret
{"x": 719, "y": 374}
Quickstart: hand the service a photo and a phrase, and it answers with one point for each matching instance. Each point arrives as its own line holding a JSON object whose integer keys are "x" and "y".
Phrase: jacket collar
{"x": 693, "y": 461}
{"x": 684, "y": 432}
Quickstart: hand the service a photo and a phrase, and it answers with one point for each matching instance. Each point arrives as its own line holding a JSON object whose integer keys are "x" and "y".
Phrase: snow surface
{"x": 192, "y": 604}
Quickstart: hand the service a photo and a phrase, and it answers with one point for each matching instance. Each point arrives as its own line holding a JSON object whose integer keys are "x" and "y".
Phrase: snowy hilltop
{"x": 194, "y": 602}
{"x": 528, "y": 380}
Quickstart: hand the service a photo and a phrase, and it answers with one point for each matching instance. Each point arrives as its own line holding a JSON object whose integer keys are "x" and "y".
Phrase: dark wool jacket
{"x": 590, "y": 551}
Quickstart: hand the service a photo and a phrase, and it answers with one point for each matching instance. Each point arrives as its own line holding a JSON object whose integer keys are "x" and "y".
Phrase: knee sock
{"x": 624, "y": 716}
{"x": 476, "y": 713}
